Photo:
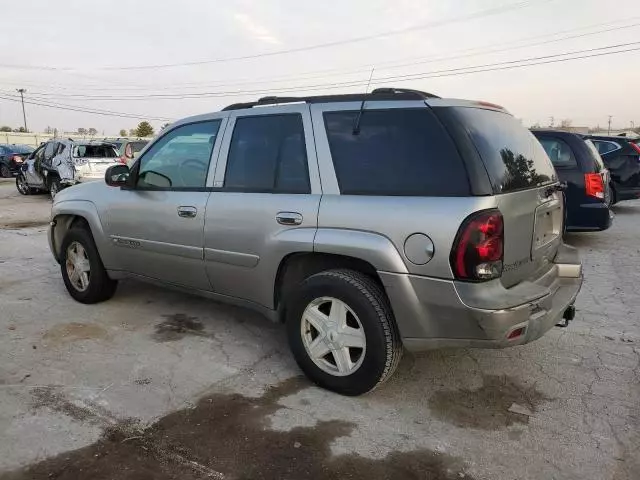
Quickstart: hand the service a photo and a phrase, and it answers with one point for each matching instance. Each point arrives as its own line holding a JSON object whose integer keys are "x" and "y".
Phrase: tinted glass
{"x": 595, "y": 155}
{"x": 137, "y": 146}
{"x": 21, "y": 149}
{"x": 95, "y": 151}
{"x": 397, "y": 152}
{"x": 558, "y": 151}
{"x": 268, "y": 154}
{"x": 514, "y": 158}
{"x": 605, "y": 147}
{"x": 3, "y": 150}
{"x": 180, "y": 158}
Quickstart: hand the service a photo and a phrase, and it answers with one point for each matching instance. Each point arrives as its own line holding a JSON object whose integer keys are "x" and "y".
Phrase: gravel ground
{"x": 155, "y": 384}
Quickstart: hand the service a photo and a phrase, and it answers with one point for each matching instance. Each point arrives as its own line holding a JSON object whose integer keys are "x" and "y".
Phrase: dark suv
{"x": 579, "y": 165}
{"x": 11, "y": 158}
{"x": 621, "y": 155}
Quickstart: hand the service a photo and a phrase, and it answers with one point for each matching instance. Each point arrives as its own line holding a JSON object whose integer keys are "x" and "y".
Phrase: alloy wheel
{"x": 78, "y": 266}
{"x": 333, "y": 336}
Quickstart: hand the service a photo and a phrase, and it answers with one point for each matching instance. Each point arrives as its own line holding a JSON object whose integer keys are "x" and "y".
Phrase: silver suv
{"x": 368, "y": 224}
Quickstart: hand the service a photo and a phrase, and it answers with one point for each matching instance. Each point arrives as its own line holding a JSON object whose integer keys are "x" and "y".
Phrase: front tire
{"x": 22, "y": 186}
{"x": 4, "y": 171}
{"x": 82, "y": 270}
{"x": 342, "y": 331}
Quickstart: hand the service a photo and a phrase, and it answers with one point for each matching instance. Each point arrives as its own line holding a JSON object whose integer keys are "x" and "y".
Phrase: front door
{"x": 157, "y": 226}
{"x": 266, "y": 200}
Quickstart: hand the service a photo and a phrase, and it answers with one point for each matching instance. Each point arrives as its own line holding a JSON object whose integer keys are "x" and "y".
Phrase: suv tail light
{"x": 479, "y": 246}
{"x": 635, "y": 146}
{"x": 122, "y": 160}
{"x": 17, "y": 159}
{"x": 594, "y": 186}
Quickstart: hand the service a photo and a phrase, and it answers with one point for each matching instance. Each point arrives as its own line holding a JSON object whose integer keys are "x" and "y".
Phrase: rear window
{"x": 137, "y": 146}
{"x": 558, "y": 151}
{"x": 595, "y": 155}
{"x": 95, "y": 151}
{"x": 403, "y": 152}
{"x": 21, "y": 149}
{"x": 513, "y": 157}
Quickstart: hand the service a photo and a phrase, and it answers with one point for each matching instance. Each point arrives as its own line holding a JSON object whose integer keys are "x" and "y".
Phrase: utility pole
{"x": 609, "y": 130}
{"x": 22, "y": 91}
{"x": 551, "y": 121}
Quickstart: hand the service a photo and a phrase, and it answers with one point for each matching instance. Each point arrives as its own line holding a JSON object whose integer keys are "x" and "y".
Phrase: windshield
{"x": 95, "y": 151}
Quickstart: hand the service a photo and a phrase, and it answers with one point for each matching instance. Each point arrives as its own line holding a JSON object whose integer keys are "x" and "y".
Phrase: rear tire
{"x": 54, "y": 187}
{"x": 4, "y": 171}
{"x": 350, "y": 370}
{"x": 90, "y": 283}
{"x": 614, "y": 196}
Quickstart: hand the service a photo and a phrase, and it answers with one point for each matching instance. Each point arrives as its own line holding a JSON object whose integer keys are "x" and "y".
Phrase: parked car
{"x": 57, "y": 164}
{"x": 127, "y": 148}
{"x": 621, "y": 155}
{"x": 368, "y": 223}
{"x": 578, "y": 163}
{"x": 11, "y": 158}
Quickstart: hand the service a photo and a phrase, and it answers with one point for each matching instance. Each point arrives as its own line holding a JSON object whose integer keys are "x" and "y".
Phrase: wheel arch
{"x": 295, "y": 267}
{"x": 76, "y": 213}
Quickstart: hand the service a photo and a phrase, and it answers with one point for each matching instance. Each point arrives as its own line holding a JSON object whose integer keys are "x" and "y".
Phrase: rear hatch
{"x": 92, "y": 160}
{"x": 599, "y": 167}
{"x": 523, "y": 180}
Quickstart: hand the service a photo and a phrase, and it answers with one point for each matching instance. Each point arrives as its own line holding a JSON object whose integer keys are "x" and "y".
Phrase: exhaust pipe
{"x": 568, "y": 315}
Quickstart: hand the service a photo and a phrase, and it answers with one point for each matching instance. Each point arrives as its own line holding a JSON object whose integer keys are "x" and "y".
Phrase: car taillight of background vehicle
{"x": 17, "y": 159}
{"x": 594, "y": 186}
{"x": 123, "y": 160}
{"x": 635, "y": 146}
{"x": 479, "y": 247}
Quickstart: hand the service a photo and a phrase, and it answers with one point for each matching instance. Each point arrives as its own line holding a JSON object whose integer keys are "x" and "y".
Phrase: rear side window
{"x": 268, "y": 154}
{"x": 513, "y": 157}
{"x": 403, "y": 152}
{"x": 606, "y": 147}
{"x": 558, "y": 151}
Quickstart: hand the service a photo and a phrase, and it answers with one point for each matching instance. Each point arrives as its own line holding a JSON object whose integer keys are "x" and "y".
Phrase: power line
{"x": 476, "y": 51}
{"x": 389, "y": 33}
{"x": 77, "y": 108}
{"x": 388, "y": 79}
{"x": 423, "y": 60}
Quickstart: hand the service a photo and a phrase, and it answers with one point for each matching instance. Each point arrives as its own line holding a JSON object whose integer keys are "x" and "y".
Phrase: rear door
{"x": 521, "y": 174}
{"x": 265, "y": 201}
{"x": 568, "y": 169}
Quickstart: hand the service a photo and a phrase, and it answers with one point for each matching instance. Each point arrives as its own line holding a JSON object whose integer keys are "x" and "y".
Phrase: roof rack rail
{"x": 377, "y": 94}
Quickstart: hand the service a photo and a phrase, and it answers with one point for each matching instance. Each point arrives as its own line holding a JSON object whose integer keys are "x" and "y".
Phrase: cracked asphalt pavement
{"x": 155, "y": 384}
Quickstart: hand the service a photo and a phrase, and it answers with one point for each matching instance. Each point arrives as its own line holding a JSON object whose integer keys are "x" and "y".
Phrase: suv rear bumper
{"x": 435, "y": 313}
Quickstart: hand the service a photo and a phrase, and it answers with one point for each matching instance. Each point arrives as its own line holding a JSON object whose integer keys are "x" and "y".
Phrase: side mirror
{"x": 116, "y": 175}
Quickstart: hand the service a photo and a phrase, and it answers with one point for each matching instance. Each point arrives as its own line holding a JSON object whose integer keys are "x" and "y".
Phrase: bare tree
{"x": 566, "y": 123}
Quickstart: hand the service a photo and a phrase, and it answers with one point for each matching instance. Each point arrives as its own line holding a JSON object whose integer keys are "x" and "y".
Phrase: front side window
{"x": 179, "y": 159}
{"x": 50, "y": 150}
{"x": 402, "y": 152}
{"x": 268, "y": 154}
{"x": 558, "y": 151}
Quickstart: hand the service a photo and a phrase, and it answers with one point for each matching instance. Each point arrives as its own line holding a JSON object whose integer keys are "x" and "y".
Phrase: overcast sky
{"x": 61, "y": 48}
